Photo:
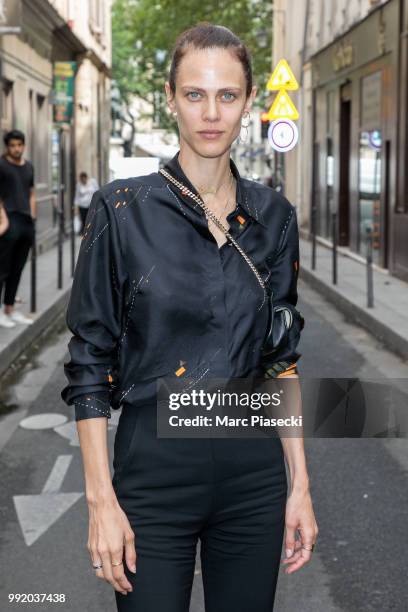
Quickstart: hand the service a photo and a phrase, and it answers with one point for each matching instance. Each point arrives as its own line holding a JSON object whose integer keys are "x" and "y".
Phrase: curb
{"x": 356, "y": 314}
{"x": 43, "y": 324}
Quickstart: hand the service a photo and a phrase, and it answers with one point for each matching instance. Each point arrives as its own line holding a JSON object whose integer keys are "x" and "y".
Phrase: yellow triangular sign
{"x": 283, "y": 108}
{"x": 282, "y": 78}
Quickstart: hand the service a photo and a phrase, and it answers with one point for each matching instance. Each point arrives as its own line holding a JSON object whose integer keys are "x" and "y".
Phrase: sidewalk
{"x": 387, "y": 321}
{"x": 51, "y": 302}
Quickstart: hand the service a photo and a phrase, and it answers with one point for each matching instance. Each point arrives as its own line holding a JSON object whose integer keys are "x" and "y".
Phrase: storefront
{"x": 355, "y": 83}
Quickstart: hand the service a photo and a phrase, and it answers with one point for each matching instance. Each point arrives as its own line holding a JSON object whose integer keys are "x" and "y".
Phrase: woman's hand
{"x": 109, "y": 532}
{"x": 299, "y": 516}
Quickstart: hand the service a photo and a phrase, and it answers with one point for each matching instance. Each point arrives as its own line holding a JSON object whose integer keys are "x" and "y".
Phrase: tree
{"x": 144, "y": 32}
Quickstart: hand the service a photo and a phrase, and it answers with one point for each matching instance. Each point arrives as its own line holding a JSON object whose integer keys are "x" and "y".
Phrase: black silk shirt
{"x": 154, "y": 296}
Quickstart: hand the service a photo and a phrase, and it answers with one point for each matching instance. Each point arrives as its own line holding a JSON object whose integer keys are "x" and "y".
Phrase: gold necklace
{"x": 222, "y": 212}
{"x": 203, "y": 190}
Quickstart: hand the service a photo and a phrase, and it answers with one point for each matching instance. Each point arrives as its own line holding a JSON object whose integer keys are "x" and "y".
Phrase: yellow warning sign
{"x": 282, "y": 78}
{"x": 283, "y": 108}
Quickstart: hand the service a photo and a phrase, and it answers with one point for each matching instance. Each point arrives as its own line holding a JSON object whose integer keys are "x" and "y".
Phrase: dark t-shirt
{"x": 15, "y": 184}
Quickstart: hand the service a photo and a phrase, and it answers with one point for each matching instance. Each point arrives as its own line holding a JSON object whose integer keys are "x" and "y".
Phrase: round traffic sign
{"x": 283, "y": 135}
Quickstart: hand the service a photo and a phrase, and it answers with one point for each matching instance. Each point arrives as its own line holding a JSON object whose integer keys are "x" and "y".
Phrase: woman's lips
{"x": 210, "y": 135}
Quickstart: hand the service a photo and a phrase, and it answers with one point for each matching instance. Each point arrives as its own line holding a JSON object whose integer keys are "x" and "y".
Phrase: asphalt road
{"x": 359, "y": 489}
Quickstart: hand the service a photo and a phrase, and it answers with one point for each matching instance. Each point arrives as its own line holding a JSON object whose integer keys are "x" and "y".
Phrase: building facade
{"x": 57, "y": 31}
{"x": 352, "y": 152}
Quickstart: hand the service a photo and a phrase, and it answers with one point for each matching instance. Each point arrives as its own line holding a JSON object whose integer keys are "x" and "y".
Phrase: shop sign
{"x": 64, "y": 79}
{"x": 342, "y": 56}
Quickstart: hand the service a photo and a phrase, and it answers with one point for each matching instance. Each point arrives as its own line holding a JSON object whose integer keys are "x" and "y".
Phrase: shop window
{"x": 330, "y": 160}
{"x": 369, "y": 191}
{"x": 329, "y": 184}
{"x": 369, "y": 183}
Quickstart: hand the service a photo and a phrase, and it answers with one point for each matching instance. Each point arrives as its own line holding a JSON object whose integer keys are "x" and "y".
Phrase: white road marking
{"x": 57, "y": 475}
{"x": 68, "y": 431}
{"x": 45, "y": 420}
{"x": 36, "y": 513}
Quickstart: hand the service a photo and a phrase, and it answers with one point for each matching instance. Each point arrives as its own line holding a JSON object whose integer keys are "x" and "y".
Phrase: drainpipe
{"x": 300, "y": 183}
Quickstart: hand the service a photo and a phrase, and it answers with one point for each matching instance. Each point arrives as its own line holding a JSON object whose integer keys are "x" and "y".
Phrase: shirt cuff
{"x": 92, "y": 405}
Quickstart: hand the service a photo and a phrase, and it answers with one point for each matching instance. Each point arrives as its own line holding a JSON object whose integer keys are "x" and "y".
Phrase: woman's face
{"x": 210, "y": 99}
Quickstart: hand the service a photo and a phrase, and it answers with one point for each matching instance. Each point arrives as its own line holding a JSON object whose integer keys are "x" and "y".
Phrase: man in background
{"x": 85, "y": 188}
{"x": 18, "y": 198}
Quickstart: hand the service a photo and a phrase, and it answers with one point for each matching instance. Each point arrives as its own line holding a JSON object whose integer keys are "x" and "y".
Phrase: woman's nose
{"x": 211, "y": 111}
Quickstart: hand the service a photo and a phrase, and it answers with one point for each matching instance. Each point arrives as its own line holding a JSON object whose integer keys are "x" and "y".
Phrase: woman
{"x": 158, "y": 291}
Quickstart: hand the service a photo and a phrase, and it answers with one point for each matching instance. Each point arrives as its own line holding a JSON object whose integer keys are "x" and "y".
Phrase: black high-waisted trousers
{"x": 229, "y": 492}
{"x": 15, "y": 245}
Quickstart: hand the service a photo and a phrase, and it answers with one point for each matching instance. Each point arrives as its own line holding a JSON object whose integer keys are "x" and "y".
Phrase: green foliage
{"x": 144, "y": 32}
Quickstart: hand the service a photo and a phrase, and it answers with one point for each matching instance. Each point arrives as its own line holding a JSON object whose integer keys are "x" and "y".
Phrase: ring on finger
{"x": 309, "y": 549}
{"x": 115, "y": 564}
{"x": 97, "y": 566}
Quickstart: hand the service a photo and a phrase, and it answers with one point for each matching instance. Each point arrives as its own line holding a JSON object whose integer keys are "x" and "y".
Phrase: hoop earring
{"x": 242, "y": 140}
{"x": 248, "y": 114}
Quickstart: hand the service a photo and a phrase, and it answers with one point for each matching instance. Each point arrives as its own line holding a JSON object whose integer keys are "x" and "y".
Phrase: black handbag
{"x": 285, "y": 322}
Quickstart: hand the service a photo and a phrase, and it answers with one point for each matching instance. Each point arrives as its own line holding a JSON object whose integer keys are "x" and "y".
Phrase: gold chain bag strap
{"x": 280, "y": 318}
{"x": 185, "y": 191}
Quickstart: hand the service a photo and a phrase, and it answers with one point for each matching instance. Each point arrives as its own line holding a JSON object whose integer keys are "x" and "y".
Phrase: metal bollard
{"x": 60, "y": 209}
{"x": 59, "y": 251}
{"x": 370, "y": 283}
{"x": 33, "y": 285}
{"x": 334, "y": 235}
{"x": 72, "y": 241}
{"x": 314, "y": 213}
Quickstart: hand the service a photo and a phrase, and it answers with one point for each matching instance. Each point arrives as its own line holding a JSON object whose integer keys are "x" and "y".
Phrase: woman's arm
{"x": 94, "y": 316}
{"x": 109, "y": 529}
{"x": 299, "y": 509}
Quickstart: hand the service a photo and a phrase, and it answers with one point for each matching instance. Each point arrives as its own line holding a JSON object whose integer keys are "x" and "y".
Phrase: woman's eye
{"x": 193, "y": 95}
{"x": 227, "y": 96}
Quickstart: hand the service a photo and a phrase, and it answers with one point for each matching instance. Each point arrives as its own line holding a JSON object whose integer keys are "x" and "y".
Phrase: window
{"x": 370, "y": 191}
{"x": 329, "y": 164}
{"x": 369, "y": 165}
{"x": 6, "y": 105}
{"x": 40, "y": 139}
{"x": 97, "y": 19}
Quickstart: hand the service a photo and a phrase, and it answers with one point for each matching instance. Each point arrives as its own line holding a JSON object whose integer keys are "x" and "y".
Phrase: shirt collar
{"x": 243, "y": 194}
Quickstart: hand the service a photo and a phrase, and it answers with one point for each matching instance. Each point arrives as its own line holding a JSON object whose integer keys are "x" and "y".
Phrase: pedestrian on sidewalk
{"x": 18, "y": 198}
{"x": 85, "y": 188}
{"x": 158, "y": 291}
